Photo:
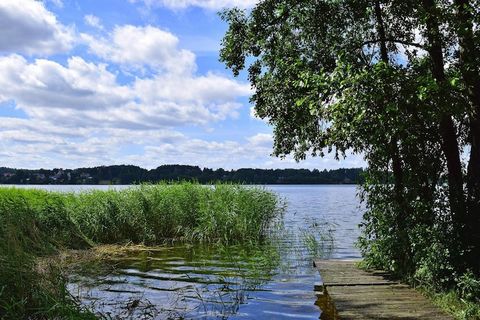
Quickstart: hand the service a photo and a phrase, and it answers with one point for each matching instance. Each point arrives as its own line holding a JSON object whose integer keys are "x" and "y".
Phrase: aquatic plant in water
{"x": 36, "y": 223}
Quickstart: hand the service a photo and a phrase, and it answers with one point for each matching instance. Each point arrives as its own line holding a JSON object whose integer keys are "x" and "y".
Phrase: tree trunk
{"x": 397, "y": 165}
{"x": 395, "y": 153}
{"x": 381, "y": 32}
{"x": 448, "y": 130}
{"x": 471, "y": 78}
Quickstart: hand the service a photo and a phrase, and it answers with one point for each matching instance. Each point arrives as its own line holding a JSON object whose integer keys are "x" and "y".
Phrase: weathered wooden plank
{"x": 351, "y": 293}
{"x": 367, "y": 288}
{"x": 346, "y": 273}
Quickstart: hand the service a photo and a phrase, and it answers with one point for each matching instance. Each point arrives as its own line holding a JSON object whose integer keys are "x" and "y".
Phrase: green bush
{"x": 420, "y": 246}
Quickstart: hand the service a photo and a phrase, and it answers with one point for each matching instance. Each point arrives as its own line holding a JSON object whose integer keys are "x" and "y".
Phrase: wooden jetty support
{"x": 347, "y": 292}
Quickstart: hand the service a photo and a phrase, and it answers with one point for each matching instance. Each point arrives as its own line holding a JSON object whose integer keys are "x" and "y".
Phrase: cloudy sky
{"x": 89, "y": 82}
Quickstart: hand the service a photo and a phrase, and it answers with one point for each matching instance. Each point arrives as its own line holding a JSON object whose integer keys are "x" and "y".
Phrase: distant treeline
{"x": 127, "y": 174}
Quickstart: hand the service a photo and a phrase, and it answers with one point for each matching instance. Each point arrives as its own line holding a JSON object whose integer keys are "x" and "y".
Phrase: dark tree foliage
{"x": 133, "y": 174}
{"x": 397, "y": 81}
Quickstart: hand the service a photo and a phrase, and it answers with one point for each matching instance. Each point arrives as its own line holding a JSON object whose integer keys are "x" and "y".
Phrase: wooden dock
{"x": 347, "y": 292}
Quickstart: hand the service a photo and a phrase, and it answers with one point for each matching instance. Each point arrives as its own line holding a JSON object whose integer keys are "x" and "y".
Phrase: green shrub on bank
{"x": 421, "y": 247}
{"x": 35, "y": 223}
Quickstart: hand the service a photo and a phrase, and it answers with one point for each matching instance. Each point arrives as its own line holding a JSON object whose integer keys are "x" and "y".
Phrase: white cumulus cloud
{"x": 45, "y": 84}
{"x": 139, "y": 46}
{"x": 85, "y": 94}
{"x": 93, "y": 21}
{"x": 28, "y": 27}
{"x": 204, "y": 89}
{"x": 82, "y": 113}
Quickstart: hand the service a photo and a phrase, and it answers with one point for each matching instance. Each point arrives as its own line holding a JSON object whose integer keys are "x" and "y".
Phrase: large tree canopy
{"x": 397, "y": 81}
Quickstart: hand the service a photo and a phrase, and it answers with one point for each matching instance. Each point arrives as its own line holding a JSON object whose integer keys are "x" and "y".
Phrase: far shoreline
{"x": 133, "y": 175}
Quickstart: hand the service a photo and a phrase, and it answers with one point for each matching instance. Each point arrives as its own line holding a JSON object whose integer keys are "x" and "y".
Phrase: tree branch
{"x": 407, "y": 43}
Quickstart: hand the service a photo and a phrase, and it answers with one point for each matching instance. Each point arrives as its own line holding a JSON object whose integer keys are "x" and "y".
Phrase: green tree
{"x": 466, "y": 17}
{"x": 380, "y": 78}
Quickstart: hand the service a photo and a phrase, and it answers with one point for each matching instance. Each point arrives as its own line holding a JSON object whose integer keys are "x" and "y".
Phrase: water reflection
{"x": 199, "y": 282}
{"x": 272, "y": 281}
{"x": 327, "y": 307}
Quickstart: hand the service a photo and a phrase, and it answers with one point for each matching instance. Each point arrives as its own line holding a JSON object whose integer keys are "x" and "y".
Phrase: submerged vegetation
{"x": 210, "y": 281}
{"x": 35, "y": 223}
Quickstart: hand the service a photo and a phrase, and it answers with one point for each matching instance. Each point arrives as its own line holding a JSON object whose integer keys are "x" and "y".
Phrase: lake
{"x": 272, "y": 281}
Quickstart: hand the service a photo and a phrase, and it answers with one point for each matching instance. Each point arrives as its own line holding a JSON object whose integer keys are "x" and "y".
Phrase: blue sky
{"x": 87, "y": 83}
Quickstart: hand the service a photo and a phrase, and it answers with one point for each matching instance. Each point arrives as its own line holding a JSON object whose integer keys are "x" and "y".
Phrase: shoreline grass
{"x": 453, "y": 303}
{"x": 37, "y": 223}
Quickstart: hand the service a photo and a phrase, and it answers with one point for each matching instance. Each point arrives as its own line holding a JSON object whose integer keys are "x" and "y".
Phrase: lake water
{"x": 273, "y": 281}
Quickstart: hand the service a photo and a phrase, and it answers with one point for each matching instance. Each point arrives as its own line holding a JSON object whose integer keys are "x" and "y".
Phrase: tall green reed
{"x": 33, "y": 224}
{"x": 184, "y": 212}
{"x": 36, "y": 223}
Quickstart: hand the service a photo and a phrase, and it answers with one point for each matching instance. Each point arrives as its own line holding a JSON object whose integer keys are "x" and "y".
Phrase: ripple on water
{"x": 268, "y": 282}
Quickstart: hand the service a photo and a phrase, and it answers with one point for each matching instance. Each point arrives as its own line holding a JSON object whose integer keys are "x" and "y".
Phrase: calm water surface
{"x": 273, "y": 281}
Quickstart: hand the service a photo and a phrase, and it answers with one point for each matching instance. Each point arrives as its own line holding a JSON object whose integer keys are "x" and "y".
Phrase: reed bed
{"x": 35, "y": 223}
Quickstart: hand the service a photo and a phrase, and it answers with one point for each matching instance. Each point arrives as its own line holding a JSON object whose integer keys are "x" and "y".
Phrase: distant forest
{"x": 127, "y": 174}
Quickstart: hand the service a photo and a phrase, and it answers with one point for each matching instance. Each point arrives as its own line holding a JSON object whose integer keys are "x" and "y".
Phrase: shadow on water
{"x": 270, "y": 281}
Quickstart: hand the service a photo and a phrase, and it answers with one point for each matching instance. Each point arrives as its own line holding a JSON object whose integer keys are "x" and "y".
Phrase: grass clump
{"x": 36, "y": 224}
{"x": 31, "y": 226}
{"x": 189, "y": 212}
{"x": 453, "y": 302}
